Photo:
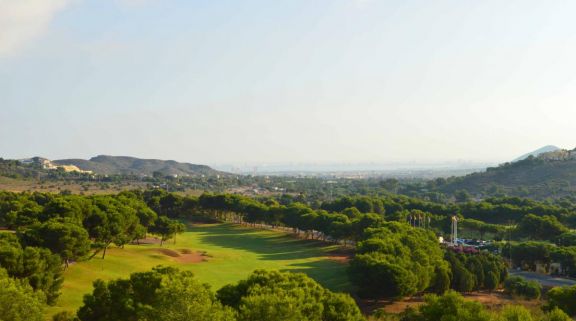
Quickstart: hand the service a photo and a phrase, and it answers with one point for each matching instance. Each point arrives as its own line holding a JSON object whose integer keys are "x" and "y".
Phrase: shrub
{"x": 563, "y": 298}
{"x": 518, "y": 286}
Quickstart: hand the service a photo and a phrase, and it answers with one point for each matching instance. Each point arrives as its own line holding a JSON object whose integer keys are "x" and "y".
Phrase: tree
{"x": 38, "y": 267}
{"x": 481, "y": 227}
{"x": 111, "y": 221}
{"x": 18, "y": 301}
{"x": 529, "y": 254}
{"x": 462, "y": 279}
{"x": 166, "y": 228}
{"x": 365, "y": 221}
{"x": 182, "y": 298}
{"x": 64, "y": 207}
{"x": 539, "y": 227}
{"x": 441, "y": 281}
{"x": 566, "y": 239}
{"x": 492, "y": 281}
{"x": 145, "y": 214}
{"x": 476, "y": 271}
{"x": 395, "y": 260}
{"x": 68, "y": 240}
{"x": 279, "y": 296}
{"x": 163, "y": 294}
{"x": 462, "y": 196}
{"x": 378, "y": 277}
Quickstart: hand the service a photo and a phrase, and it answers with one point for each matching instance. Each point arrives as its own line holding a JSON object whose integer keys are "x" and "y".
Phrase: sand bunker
{"x": 169, "y": 252}
{"x": 339, "y": 259}
{"x": 340, "y": 255}
{"x": 184, "y": 255}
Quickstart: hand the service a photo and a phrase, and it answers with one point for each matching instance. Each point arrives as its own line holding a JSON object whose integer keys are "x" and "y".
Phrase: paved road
{"x": 545, "y": 280}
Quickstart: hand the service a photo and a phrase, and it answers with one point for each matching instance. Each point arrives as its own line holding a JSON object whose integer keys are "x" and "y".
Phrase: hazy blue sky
{"x": 221, "y": 81}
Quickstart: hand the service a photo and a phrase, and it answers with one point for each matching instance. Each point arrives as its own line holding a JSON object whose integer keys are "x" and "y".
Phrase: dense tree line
{"x": 53, "y": 230}
{"x": 544, "y": 227}
{"x": 502, "y": 210}
{"x": 483, "y": 217}
{"x": 483, "y": 228}
{"x": 480, "y": 271}
{"x": 70, "y": 224}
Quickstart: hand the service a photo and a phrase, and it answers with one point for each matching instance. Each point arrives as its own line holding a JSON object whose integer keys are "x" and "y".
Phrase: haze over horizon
{"x": 233, "y": 82}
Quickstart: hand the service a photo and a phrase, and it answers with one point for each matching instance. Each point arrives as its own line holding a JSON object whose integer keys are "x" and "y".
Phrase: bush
{"x": 450, "y": 306}
{"x": 557, "y": 315}
{"x": 518, "y": 286}
{"x": 563, "y": 298}
{"x": 514, "y": 313}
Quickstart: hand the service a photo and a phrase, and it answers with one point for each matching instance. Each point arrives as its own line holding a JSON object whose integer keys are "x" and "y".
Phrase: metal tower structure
{"x": 454, "y": 235}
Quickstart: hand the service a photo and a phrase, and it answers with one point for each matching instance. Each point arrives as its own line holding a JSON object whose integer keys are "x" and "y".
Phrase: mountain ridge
{"x": 548, "y": 175}
{"x": 128, "y": 165}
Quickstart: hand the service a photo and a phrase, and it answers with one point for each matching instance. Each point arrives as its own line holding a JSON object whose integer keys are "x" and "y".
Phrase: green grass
{"x": 233, "y": 253}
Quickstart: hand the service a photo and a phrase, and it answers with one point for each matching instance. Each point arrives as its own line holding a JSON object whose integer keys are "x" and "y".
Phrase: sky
{"x": 309, "y": 81}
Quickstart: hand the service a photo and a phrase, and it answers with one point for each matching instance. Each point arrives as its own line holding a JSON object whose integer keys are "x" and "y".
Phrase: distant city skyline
{"x": 288, "y": 81}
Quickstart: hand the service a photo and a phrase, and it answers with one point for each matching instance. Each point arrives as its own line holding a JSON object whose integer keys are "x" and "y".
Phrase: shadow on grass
{"x": 270, "y": 246}
{"x": 330, "y": 274}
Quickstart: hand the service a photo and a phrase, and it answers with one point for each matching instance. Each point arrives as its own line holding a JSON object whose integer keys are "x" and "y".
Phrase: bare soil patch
{"x": 492, "y": 301}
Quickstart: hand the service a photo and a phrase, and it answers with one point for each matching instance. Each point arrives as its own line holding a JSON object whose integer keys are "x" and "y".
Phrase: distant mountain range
{"x": 547, "y": 172}
{"x": 124, "y": 165}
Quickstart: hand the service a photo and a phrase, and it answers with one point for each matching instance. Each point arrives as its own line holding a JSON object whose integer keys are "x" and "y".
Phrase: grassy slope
{"x": 234, "y": 252}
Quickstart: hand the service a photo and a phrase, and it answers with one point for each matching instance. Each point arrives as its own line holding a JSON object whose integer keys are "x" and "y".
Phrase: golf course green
{"x": 218, "y": 254}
